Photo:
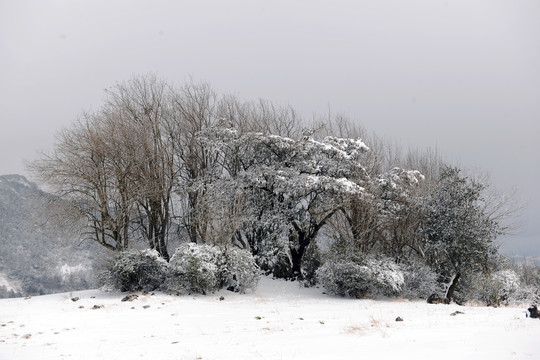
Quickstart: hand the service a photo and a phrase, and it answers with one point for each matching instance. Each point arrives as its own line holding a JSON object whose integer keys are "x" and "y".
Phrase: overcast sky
{"x": 461, "y": 76}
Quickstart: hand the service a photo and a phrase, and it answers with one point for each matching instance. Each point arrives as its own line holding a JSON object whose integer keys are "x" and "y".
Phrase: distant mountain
{"x": 35, "y": 258}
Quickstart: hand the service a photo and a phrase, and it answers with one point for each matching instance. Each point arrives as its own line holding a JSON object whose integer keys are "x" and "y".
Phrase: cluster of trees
{"x": 158, "y": 165}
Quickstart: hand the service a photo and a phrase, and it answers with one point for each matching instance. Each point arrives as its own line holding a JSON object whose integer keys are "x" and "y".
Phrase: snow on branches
{"x": 301, "y": 182}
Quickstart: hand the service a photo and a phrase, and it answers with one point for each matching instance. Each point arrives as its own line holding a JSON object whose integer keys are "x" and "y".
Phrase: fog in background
{"x": 459, "y": 76}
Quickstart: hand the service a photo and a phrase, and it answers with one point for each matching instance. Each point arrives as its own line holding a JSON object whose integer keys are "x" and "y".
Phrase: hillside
{"x": 280, "y": 320}
{"x": 35, "y": 258}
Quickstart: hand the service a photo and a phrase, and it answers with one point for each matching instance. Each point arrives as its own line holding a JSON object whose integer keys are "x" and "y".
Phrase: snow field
{"x": 280, "y": 320}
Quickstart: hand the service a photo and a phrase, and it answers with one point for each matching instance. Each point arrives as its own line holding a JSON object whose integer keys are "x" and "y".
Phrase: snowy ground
{"x": 279, "y": 321}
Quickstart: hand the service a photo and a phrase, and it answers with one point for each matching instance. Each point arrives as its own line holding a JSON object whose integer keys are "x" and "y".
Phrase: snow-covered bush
{"x": 529, "y": 272}
{"x": 529, "y": 276}
{"x": 419, "y": 281}
{"x": 508, "y": 281}
{"x": 343, "y": 278}
{"x": 237, "y": 270}
{"x": 193, "y": 268}
{"x": 503, "y": 287}
{"x": 204, "y": 268}
{"x": 516, "y": 283}
{"x": 525, "y": 295}
{"x": 358, "y": 276}
{"x": 135, "y": 270}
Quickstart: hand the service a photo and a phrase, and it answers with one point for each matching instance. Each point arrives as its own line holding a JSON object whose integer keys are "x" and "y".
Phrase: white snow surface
{"x": 280, "y": 320}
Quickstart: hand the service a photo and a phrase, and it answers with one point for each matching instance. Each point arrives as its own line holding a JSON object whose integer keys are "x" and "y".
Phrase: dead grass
{"x": 355, "y": 330}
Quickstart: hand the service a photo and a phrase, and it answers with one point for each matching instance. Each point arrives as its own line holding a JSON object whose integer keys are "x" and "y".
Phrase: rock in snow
{"x": 436, "y": 299}
{"x": 130, "y": 297}
{"x": 533, "y": 312}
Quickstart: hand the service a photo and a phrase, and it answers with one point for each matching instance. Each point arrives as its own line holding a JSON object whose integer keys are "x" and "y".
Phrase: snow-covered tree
{"x": 387, "y": 217}
{"x": 291, "y": 187}
{"x": 399, "y": 201}
{"x": 458, "y": 231}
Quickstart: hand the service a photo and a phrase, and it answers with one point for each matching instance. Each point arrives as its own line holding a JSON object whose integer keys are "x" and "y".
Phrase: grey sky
{"x": 462, "y": 76}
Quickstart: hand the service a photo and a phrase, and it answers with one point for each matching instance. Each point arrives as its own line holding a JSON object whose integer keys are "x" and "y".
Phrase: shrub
{"x": 358, "y": 276}
{"x": 503, "y": 287}
{"x": 343, "y": 278}
{"x": 507, "y": 282}
{"x": 135, "y": 270}
{"x": 238, "y": 270}
{"x": 525, "y": 295}
{"x": 193, "y": 269}
{"x": 419, "y": 281}
{"x": 529, "y": 273}
{"x": 528, "y": 291}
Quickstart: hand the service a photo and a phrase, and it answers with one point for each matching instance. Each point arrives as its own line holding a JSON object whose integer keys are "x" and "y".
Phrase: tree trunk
{"x": 452, "y": 287}
{"x": 192, "y": 232}
{"x": 304, "y": 239}
{"x": 297, "y": 254}
{"x": 296, "y": 257}
{"x": 162, "y": 245}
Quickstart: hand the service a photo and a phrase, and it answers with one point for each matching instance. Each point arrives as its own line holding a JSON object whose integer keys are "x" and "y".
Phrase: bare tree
{"x": 84, "y": 177}
{"x": 143, "y": 106}
{"x": 116, "y": 166}
{"x": 260, "y": 116}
